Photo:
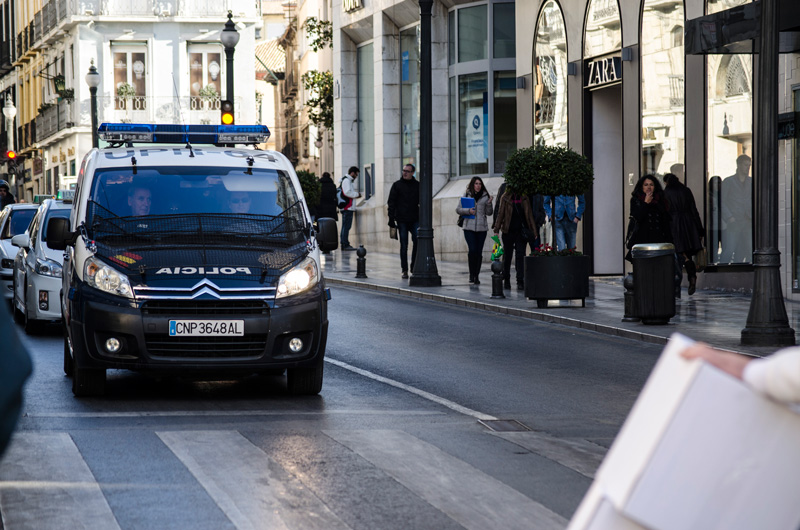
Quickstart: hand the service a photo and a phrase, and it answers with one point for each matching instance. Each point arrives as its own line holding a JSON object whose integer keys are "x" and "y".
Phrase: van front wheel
{"x": 85, "y": 381}
{"x": 305, "y": 381}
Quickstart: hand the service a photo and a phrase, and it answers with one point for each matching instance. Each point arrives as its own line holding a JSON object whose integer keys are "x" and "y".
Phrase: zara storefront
{"x": 613, "y": 81}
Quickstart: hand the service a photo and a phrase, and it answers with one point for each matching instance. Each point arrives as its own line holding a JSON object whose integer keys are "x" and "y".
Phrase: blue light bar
{"x": 181, "y": 134}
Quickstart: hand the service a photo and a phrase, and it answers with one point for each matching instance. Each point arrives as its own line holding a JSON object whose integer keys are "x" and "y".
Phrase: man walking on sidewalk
{"x": 404, "y": 214}
{"x": 350, "y": 192}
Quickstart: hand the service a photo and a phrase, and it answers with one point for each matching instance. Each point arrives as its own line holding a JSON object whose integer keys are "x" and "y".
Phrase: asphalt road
{"x": 393, "y": 441}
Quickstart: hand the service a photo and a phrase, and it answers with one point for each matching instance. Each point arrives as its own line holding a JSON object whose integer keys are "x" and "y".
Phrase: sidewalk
{"x": 714, "y": 317}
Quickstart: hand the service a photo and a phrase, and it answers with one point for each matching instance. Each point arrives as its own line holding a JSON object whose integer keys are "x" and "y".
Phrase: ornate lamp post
{"x": 93, "y": 80}
{"x": 10, "y": 112}
{"x": 424, "y": 272}
{"x": 229, "y": 38}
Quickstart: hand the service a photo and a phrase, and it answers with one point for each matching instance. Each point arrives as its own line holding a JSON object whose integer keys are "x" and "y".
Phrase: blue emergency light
{"x": 181, "y": 134}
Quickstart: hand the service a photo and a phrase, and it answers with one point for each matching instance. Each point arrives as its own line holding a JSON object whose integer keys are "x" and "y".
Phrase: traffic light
{"x": 11, "y": 155}
{"x": 226, "y": 107}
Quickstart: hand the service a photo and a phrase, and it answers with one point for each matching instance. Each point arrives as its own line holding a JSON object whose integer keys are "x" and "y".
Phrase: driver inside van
{"x": 239, "y": 202}
{"x": 139, "y": 200}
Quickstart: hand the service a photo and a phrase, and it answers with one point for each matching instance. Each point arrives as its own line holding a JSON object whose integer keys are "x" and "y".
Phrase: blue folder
{"x": 467, "y": 203}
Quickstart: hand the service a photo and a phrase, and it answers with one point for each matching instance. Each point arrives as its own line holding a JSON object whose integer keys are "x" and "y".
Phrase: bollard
{"x": 361, "y": 262}
{"x": 497, "y": 279}
{"x": 630, "y": 313}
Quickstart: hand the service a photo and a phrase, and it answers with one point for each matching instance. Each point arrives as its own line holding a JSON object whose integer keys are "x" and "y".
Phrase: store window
{"x": 205, "y": 76}
{"x": 662, "y": 64}
{"x": 729, "y": 150}
{"x": 796, "y": 203}
{"x": 366, "y": 110}
{"x": 603, "y": 29}
{"x": 130, "y": 76}
{"x": 409, "y": 95}
{"x": 550, "y": 78}
{"x": 482, "y": 88}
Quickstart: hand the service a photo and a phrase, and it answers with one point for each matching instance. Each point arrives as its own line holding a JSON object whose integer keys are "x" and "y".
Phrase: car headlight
{"x": 106, "y": 279}
{"x": 48, "y": 267}
{"x": 300, "y": 278}
{"x": 6, "y": 263}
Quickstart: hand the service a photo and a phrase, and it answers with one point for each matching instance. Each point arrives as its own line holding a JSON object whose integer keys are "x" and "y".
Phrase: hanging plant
{"x": 208, "y": 92}
{"x": 67, "y": 94}
{"x": 126, "y": 91}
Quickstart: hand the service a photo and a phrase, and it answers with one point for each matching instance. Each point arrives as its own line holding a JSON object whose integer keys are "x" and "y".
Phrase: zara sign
{"x": 603, "y": 72}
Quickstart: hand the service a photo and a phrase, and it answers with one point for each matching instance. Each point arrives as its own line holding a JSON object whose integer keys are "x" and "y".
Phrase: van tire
{"x": 85, "y": 381}
{"x": 31, "y": 326}
{"x": 68, "y": 368}
{"x": 305, "y": 381}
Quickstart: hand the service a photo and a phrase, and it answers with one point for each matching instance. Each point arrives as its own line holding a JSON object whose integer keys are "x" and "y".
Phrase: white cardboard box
{"x": 699, "y": 450}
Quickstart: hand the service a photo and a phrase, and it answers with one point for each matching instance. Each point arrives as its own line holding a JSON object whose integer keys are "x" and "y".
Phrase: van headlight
{"x": 301, "y": 278}
{"x": 106, "y": 279}
{"x": 48, "y": 267}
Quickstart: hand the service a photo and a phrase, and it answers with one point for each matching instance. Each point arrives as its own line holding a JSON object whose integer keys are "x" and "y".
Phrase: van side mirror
{"x": 58, "y": 234}
{"x": 21, "y": 241}
{"x": 327, "y": 235}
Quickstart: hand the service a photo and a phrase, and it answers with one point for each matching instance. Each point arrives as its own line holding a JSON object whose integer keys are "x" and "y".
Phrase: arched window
{"x": 729, "y": 148}
{"x": 603, "y": 32}
{"x": 662, "y": 64}
{"x": 550, "y": 77}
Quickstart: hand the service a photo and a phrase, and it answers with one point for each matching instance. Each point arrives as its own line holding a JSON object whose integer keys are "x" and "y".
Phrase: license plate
{"x": 206, "y": 328}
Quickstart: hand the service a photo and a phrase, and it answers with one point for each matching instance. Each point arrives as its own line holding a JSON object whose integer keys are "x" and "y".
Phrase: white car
{"x": 37, "y": 269}
{"x": 14, "y": 219}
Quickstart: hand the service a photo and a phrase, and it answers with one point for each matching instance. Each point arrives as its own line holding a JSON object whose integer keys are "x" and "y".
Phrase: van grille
{"x": 160, "y": 345}
{"x": 204, "y": 307}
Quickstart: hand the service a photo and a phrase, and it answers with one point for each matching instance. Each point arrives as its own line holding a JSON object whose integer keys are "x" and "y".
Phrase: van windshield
{"x": 160, "y": 191}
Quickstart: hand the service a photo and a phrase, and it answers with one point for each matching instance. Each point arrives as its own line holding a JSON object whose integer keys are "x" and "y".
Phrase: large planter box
{"x": 556, "y": 278}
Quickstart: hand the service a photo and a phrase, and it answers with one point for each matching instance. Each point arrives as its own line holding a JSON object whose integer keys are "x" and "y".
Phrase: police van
{"x": 190, "y": 252}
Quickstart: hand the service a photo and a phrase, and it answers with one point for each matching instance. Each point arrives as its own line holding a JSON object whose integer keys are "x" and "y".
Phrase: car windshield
{"x": 53, "y": 214}
{"x": 20, "y": 219}
{"x": 158, "y": 191}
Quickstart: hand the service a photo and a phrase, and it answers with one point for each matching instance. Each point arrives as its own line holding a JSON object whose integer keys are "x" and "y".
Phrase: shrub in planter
{"x": 312, "y": 189}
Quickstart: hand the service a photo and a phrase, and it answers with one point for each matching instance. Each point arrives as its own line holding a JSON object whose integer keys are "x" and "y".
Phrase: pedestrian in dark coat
{"x": 514, "y": 213}
{"x": 404, "y": 214}
{"x": 686, "y": 226}
{"x": 327, "y": 200}
{"x": 650, "y": 214}
{"x": 6, "y": 197}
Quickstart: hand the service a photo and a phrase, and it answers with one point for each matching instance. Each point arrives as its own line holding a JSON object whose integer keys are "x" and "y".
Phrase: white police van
{"x": 186, "y": 256}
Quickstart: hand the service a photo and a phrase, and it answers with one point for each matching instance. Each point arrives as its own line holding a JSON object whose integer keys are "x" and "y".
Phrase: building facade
{"x": 158, "y": 63}
{"x": 610, "y": 79}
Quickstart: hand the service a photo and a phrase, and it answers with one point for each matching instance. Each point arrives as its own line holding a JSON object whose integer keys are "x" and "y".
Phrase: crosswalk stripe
{"x": 469, "y": 496}
{"x": 249, "y": 487}
{"x": 577, "y": 454}
{"x": 45, "y": 483}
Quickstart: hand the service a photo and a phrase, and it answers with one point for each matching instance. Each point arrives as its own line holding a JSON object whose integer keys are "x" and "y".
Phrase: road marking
{"x": 423, "y": 394}
{"x": 45, "y": 483}
{"x": 226, "y": 413}
{"x": 469, "y": 496}
{"x": 577, "y": 454}
{"x": 249, "y": 487}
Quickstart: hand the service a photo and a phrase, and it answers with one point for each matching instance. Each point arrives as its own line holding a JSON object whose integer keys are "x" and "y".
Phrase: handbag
{"x": 528, "y": 235}
{"x": 460, "y": 221}
{"x": 633, "y": 226}
{"x": 700, "y": 259}
{"x": 392, "y": 232}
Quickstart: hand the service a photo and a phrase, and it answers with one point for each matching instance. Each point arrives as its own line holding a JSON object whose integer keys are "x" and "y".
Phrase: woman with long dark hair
{"x": 686, "y": 225}
{"x": 650, "y": 215}
{"x": 475, "y": 225}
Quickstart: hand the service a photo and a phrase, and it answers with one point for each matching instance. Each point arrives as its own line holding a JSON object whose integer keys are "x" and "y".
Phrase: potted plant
{"x": 550, "y": 170}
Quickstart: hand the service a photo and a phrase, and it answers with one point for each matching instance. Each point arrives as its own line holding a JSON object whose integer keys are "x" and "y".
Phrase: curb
{"x": 523, "y": 313}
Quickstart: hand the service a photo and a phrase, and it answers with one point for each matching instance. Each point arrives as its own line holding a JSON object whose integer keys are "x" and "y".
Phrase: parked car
{"x": 14, "y": 219}
{"x": 37, "y": 269}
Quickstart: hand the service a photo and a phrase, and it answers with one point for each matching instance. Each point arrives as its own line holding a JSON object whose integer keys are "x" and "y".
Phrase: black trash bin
{"x": 653, "y": 282}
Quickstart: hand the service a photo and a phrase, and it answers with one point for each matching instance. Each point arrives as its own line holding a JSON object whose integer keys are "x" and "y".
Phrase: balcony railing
{"x": 157, "y": 109}
{"x": 54, "y": 119}
{"x": 289, "y": 86}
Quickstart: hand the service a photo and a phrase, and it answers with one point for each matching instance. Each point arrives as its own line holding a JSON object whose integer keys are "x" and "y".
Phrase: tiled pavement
{"x": 712, "y": 316}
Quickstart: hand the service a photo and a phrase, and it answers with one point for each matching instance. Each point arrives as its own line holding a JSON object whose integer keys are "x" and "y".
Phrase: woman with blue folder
{"x": 473, "y": 209}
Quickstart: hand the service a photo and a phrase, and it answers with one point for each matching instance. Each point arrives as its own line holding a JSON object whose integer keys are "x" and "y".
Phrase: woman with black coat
{"x": 686, "y": 226}
{"x": 650, "y": 214}
{"x": 327, "y": 198}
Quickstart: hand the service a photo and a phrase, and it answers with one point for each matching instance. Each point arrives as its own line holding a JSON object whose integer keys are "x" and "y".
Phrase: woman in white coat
{"x": 475, "y": 225}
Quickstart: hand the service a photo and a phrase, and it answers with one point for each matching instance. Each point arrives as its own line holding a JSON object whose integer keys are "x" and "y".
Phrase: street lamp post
{"x": 10, "y": 112}
{"x": 93, "y": 80}
{"x": 229, "y": 38}
{"x": 767, "y": 322}
{"x": 424, "y": 272}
